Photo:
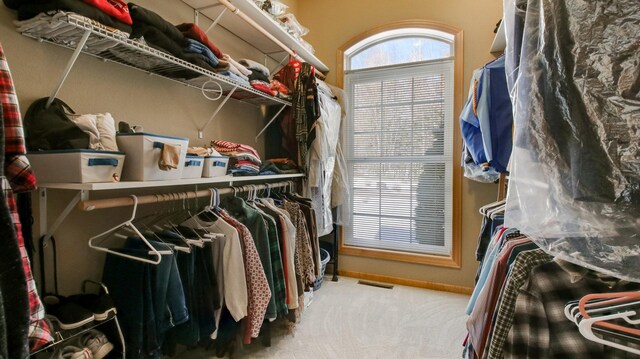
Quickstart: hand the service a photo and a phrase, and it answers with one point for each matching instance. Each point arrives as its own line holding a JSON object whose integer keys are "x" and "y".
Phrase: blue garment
{"x": 199, "y": 48}
{"x": 487, "y": 263}
{"x": 149, "y": 298}
{"x": 487, "y": 133}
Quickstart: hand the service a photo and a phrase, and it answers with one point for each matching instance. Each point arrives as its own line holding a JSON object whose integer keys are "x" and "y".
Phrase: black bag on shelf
{"x": 49, "y": 128}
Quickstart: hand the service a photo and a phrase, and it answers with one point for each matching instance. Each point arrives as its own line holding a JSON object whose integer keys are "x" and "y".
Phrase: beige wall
{"x": 159, "y": 105}
{"x": 334, "y": 22}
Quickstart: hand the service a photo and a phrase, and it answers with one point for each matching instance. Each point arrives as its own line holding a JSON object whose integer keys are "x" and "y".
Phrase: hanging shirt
{"x": 251, "y": 218}
{"x": 288, "y": 245}
{"x": 540, "y": 328}
{"x": 257, "y": 285}
{"x": 518, "y": 275}
{"x": 18, "y": 173}
{"x": 305, "y": 266}
{"x": 227, "y": 255}
{"x": 279, "y": 284}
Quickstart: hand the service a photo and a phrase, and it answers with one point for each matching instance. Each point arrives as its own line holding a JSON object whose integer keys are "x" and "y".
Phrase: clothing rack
{"x": 90, "y": 205}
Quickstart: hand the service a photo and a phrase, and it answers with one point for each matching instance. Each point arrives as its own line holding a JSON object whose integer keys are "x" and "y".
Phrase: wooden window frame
{"x": 454, "y": 259}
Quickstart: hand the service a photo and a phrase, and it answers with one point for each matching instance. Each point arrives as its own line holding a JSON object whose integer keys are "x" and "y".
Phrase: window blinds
{"x": 399, "y": 150}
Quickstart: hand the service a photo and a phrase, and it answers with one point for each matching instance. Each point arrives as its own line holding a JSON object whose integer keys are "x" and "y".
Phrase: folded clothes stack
{"x": 199, "y": 43}
{"x": 161, "y": 34}
{"x": 243, "y": 159}
{"x": 112, "y": 13}
{"x": 279, "y": 166}
{"x": 280, "y": 90}
{"x": 259, "y": 78}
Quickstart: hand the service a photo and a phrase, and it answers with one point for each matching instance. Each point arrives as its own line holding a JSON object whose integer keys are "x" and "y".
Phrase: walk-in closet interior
{"x": 320, "y": 179}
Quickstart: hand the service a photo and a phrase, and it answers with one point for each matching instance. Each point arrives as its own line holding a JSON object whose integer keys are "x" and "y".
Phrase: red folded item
{"x": 192, "y": 31}
{"x": 279, "y": 87}
{"x": 117, "y": 9}
{"x": 262, "y": 86}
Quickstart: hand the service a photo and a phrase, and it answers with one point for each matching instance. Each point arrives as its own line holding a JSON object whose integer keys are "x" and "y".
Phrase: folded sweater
{"x": 117, "y": 9}
{"x": 252, "y": 65}
{"x": 142, "y": 16}
{"x": 30, "y": 8}
{"x": 192, "y": 31}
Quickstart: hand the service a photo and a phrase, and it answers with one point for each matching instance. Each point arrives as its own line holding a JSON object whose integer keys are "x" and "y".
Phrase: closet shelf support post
{"x": 215, "y": 113}
{"x": 217, "y": 20}
{"x": 70, "y": 64}
{"x": 270, "y": 121}
{"x": 48, "y": 232}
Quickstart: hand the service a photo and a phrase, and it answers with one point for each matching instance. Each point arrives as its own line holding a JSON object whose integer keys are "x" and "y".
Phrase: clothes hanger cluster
{"x": 164, "y": 226}
{"x": 611, "y": 319}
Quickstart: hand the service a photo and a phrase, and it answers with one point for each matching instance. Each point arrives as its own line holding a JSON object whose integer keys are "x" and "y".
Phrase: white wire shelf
{"x": 67, "y": 31}
{"x": 248, "y": 33}
{"x": 230, "y": 180}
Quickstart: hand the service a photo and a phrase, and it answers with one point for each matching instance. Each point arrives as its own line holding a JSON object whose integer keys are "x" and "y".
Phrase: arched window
{"x": 399, "y": 140}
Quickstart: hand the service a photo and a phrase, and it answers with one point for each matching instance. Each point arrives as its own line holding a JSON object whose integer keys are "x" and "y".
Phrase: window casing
{"x": 399, "y": 145}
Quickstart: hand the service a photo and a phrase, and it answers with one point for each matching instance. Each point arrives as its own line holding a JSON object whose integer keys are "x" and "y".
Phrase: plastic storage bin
{"x": 215, "y": 166}
{"x": 143, "y": 154}
{"x": 193, "y": 166}
{"x": 77, "y": 166}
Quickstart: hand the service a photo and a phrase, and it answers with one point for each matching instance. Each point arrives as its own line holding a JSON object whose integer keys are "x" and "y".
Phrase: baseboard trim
{"x": 409, "y": 282}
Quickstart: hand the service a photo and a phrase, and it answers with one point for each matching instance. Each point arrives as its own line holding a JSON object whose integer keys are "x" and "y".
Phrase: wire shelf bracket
{"x": 215, "y": 113}
{"x": 69, "y": 66}
{"x": 270, "y": 122}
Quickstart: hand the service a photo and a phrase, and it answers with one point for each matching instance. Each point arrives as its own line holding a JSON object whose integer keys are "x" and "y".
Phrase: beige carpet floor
{"x": 347, "y": 320}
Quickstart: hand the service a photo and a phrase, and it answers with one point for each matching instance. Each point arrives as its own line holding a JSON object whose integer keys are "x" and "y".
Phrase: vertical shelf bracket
{"x": 270, "y": 121}
{"x": 70, "y": 64}
{"x": 215, "y": 113}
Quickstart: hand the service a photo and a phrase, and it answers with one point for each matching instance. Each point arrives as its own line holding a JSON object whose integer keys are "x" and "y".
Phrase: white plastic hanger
{"x": 586, "y": 329}
{"x": 152, "y": 251}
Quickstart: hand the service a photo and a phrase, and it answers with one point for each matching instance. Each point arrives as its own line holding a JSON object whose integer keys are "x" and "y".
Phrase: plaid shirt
{"x": 518, "y": 275}
{"x": 279, "y": 284}
{"x": 19, "y": 178}
{"x": 540, "y": 328}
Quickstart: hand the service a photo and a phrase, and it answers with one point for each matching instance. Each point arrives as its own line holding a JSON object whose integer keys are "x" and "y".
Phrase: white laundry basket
{"x": 193, "y": 166}
{"x": 215, "y": 166}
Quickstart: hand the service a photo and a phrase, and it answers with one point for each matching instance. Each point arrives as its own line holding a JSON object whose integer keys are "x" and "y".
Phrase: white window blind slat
{"x": 399, "y": 150}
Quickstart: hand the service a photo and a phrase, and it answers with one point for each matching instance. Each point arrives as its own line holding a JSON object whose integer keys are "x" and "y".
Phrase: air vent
{"x": 375, "y": 284}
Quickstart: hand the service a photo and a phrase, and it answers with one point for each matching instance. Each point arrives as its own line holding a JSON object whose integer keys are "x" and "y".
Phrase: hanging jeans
{"x": 149, "y": 298}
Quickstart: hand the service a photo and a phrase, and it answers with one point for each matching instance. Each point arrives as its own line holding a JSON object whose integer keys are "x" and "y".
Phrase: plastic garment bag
{"x": 322, "y": 159}
{"x": 573, "y": 68}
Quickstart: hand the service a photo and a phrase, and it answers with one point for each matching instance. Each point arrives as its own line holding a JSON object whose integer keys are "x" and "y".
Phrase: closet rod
{"x": 250, "y": 21}
{"x": 90, "y": 205}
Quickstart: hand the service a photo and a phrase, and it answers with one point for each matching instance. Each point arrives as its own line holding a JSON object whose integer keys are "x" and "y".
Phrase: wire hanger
{"x": 128, "y": 224}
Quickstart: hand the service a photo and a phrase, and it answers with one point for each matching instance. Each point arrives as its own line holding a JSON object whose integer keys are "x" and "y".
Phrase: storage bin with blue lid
{"x": 193, "y": 166}
{"x": 215, "y": 166}
{"x": 144, "y": 151}
{"x": 76, "y": 166}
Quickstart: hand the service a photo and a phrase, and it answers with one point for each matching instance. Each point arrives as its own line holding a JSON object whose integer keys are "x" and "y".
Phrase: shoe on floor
{"x": 99, "y": 304}
{"x": 72, "y": 352}
{"x": 68, "y": 315}
{"x": 96, "y": 342}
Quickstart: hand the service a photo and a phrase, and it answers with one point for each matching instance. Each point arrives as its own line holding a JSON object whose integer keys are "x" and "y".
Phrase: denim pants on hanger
{"x": 149, "y": 298}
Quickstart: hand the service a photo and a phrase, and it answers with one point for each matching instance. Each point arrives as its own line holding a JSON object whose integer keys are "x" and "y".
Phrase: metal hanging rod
{"x": 90, "y": 205}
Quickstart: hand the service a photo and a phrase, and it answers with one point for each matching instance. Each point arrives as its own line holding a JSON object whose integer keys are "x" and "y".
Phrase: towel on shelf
{"x": 192, "y": 31}
{"x": 169, "y": 157}
{"x": 258, "y": 76}
{"x": 252, "y": 65}
{"x": 241, "y": 68}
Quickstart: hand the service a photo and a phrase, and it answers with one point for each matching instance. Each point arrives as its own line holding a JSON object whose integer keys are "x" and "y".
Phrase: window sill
{"x": 451, "y": 261}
